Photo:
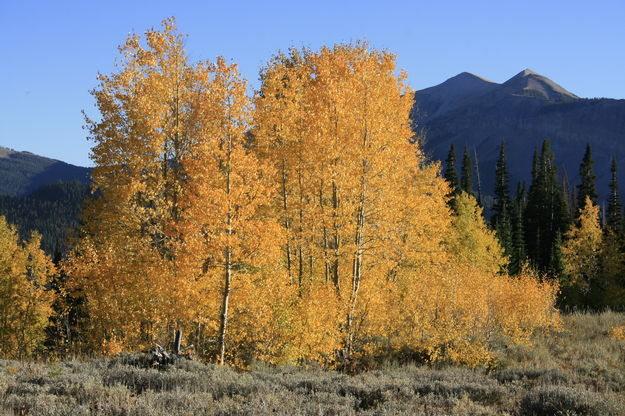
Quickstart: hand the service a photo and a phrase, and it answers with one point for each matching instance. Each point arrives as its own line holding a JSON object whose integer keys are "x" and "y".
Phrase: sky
{"x": 51, "y": 51}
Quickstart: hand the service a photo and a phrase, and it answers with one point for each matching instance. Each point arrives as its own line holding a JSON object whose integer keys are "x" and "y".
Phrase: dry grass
{"x": 580, "y": 371}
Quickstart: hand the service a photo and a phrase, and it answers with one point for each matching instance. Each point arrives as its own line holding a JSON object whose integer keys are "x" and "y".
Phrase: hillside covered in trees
{"x": 52, "y": 210}
{"x": 524, "y": 110}
{"x": 23, "y": 172}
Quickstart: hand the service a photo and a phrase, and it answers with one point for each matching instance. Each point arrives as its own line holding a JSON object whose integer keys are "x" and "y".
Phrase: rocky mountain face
{"x": 23, "y": 172}
{"x": 523, "y": 111}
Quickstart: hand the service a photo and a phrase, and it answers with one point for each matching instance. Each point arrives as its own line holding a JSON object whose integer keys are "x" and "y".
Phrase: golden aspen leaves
{"x": 288, "y": 227}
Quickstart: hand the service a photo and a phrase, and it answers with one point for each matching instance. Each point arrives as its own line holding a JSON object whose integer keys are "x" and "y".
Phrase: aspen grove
{"x": 298, "y": 224}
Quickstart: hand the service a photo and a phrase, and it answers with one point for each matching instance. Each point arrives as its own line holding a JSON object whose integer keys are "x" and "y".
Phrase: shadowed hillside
{"x": 523, "y": 111}
{"x": 24, "y": 172}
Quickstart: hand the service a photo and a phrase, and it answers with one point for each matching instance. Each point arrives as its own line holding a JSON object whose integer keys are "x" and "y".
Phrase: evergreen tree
{"x": 609, "y": 290}
{"x": 546, "y": 214}
{"x": 451, "y": 175}
{"x": 569, "y": 194}
{"x": 535, "y": 164}
{"x": 556, "y": 264}
{"x": 587, "y": 187}
{"x": 615, "y": 209}
{"x": 517, "y": 257}
{"x": 466, "y": 180}
{"x": 501, "y": 219}
{"x": 479, "y": 183}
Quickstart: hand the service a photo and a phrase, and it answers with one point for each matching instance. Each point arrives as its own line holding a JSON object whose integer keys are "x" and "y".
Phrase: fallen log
{"x": 161, "y": 358}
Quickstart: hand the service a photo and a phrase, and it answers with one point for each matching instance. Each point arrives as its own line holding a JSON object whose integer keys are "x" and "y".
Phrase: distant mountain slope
{"x": 53, "y": 210}
{"x": 451, "y": 94}
{"x": 523, "y": 111}
{"x": 528, "y": 83}
{"x": 23, "y": 172}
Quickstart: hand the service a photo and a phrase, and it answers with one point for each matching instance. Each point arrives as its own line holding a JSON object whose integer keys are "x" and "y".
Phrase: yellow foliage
{"x": 335, "y": 124}
{"x": 522, "y": 304}
{"x": 455, "y": 310}
{"x": 25, "y": 302}
{"x": 581, "y": 253}
{"x": 179, "y": 211}
{"x": 472, "y": 242}
{"x": 618, "y": 332}
{"x": 321, "y": 228}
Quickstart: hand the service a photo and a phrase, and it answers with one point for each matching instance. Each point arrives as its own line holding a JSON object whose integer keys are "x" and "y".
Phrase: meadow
{"x": 578, "y": 371}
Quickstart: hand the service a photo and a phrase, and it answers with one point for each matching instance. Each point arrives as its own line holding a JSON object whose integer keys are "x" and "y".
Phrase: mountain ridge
{"x": 522, "y": 111}
{"x": 23, "y": 172}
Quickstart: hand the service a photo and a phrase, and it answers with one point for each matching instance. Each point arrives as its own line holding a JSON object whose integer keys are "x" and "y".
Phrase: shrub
{"x": 559, "y": 400}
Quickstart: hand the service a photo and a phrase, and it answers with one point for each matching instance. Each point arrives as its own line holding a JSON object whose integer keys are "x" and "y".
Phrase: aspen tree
{"x": 228, "y": 232}
{"x": 125, "y": 262}
{"x": 473, "y": 243}
{"x": 582, "y": 250}
{"x": 359, "y": 166}
{"x": 318, "y": 227}
{"x": 25, "y": 302}
{"x": 177, "y": 193}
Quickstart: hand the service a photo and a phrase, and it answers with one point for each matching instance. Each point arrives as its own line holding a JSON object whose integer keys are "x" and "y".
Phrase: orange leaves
{"x": 523, "y": 305}
{"x": 180, "y": 220}
{"x": 335, "y": 125}
{"x": 617, "y": 332}
{"x": 287, "y": 230}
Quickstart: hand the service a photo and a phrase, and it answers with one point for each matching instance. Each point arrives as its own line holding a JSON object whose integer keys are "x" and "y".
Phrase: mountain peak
{"x": 525, "y": 73}
{"x": 469, "y": 76}
{"x": 529, "y": 83}
{"x": 5, "y": 152}
{"x": 452, "y": 93}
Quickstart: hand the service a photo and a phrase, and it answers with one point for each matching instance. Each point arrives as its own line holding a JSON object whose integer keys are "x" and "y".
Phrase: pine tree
{"x": 502, "y": 219}
{"x": 517, "y": 257}
{"x": 615, "y": 209}
{"x": 556, "y": 262}
{"x": 535, "y": 164}
{"x": 466, "y": 180}
{"x": 451, "y": 175}
{"x": 587, "y": 186}
{"x": 569, "y": 194}
{"x": 479, "y": 182}
{"x": 609, "y": 290}
{"x": 546, "y": 214}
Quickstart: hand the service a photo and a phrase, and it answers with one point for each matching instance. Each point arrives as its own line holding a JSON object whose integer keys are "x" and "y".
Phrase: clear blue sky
{"x": 51, "y": 51}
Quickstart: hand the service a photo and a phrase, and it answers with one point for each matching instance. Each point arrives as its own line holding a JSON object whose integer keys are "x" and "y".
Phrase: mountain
{"x": 528, "y": 83}
{"x": 523, "y": 111}
{"x": 23, "y": 172}
{"x": 452, "y": 93}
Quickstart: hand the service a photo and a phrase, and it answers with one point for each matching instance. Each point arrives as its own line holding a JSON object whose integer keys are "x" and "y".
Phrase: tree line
{"x": 556, "y": 229}
{"x": 299, "y": 224}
